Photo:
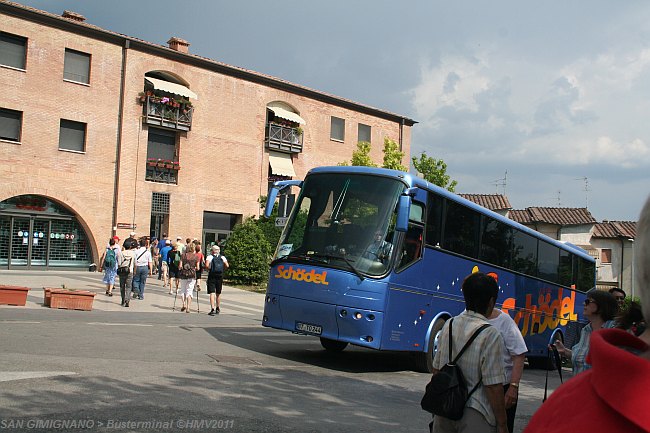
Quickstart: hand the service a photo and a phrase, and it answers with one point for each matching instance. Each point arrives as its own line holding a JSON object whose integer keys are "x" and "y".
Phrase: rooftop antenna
{"x": 559, "y": 201}
{"x": 501, "y": 183}
{"x": 586, "y": 189}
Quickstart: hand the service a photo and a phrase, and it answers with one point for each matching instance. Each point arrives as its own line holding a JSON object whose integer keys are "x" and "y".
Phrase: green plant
{"x": 248, "y": 254}
{"x": 299, "y": 131}
{"x": 434, "y": 171}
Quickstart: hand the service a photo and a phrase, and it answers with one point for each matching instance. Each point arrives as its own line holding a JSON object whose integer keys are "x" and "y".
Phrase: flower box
{"x": 13, "y": 295}
{"x": 47, "y": 296}
{"x": 71, "y": 299}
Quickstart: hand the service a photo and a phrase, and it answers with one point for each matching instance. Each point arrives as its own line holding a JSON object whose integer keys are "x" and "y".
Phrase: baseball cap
{"x": 117, "y": 238}
{"x": 179, "y": 238}
{"x": 132, "y": 234}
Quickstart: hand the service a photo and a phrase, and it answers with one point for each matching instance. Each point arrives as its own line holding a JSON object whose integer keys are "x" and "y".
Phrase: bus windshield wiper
{"x": 342, "y": 257}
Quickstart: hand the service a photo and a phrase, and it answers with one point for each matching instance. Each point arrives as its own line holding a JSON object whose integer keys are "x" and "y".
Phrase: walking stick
{"x": 198, "y": 309}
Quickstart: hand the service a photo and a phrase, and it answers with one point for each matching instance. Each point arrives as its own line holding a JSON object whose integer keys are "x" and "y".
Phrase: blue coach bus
{"x": 376, "y": 258}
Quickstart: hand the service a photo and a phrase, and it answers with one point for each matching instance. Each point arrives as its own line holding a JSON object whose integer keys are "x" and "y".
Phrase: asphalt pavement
{"x": 152, "y": 368}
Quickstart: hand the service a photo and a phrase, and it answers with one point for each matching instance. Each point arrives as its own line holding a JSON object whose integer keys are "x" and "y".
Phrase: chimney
{"x": 179, "y": 45}
{"x": 74, "y": 16}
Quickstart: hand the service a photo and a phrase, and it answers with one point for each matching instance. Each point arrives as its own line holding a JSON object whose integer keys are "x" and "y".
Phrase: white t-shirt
{"x": 513, "y": 341}
{"x": 143, "y": 256}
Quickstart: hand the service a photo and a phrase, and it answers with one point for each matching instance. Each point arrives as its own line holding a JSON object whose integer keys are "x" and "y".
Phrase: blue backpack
{"x": 216, "y": 265}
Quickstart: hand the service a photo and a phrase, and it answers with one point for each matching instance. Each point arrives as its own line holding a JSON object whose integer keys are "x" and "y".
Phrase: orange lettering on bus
{"x": 299, "y": 274}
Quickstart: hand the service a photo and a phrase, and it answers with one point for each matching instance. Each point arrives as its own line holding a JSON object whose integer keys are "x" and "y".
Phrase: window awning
{"x": 281, "y": 164}
{"x": 167, "y": 86}
{"x": 285, "y": 114}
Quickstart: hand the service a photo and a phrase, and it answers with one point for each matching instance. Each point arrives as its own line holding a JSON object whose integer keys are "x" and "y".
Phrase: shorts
{"x": 215, "y": 282}
{"x": 173, "y": 273}
{"x": 198, "y": 274}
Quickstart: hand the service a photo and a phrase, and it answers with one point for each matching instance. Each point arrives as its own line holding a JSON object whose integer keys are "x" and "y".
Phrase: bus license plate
{"x": 309, "y": 328}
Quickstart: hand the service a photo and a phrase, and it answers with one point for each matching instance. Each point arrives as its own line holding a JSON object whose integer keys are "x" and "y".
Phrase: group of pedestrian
{"x": 131, "y": 264}
{"x": 177, "y": 263}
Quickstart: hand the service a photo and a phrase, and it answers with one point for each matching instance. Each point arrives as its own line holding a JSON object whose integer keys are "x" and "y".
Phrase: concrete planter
{"x": 70, "y": 299}
{"x": 13, "y": 295}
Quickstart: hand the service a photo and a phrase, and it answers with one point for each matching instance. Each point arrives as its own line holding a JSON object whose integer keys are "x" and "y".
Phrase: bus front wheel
{"x": 333, "y": 345}
{"x": 424, "y": 360}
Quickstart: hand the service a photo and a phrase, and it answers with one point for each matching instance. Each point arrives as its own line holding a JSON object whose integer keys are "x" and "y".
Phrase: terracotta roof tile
{"x": 563, "y": 216}
{"x": 490, "y": 201}
{"x": 615, "y": 229}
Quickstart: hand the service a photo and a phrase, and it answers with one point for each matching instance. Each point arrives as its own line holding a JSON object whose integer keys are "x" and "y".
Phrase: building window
{"x": 162, "y": 163}
{"x": 337, "y": 131}
{"x": 72, "y": 136}
{"x": 606, "y": 255}
{"x": 13, "y": 50}
{"x": 159, "y": 214}
{"x": 10, "y": 124}
{"x": 363, "y": 133}
{"x": 76, "y": 67}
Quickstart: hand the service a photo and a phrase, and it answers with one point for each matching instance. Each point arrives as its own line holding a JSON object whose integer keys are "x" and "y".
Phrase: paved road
{"x": 149, "y": 368}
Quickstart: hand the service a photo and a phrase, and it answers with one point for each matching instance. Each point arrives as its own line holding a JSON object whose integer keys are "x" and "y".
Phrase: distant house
{"x": 614, "y": 241}
{"x": 495, "y": 202}
{"x": 561, "y": 223}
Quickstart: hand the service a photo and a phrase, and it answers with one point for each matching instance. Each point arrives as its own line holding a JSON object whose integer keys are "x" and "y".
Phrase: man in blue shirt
{"x": 164, "y": 266}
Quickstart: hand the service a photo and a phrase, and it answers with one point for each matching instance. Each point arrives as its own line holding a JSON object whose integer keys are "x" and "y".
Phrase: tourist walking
{"x": 108, "y": 264}
{"x": 125, "y": 270}
{"x": 142, "y": 269}
{"x": 187, "y": 275}
{"x": 215, "y": 264}
{"x": 173, "y": 263}
{"x": 201, "y": 259}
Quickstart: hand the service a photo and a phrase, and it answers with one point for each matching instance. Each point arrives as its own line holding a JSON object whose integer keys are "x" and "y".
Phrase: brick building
{"x": 102, "y": 133}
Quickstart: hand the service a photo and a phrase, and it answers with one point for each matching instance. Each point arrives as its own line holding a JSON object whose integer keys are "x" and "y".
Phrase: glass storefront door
{"x": 38, "y": 233}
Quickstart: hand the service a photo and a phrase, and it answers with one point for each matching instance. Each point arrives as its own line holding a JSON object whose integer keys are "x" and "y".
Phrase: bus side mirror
{"x": 403, "y": 212}
{"x": 270, "y": 201}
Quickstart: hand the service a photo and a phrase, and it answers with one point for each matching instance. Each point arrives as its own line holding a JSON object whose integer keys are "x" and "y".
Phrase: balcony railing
{"x": 162, "y": 174}
{"x": 168, "y": 116}
{"x": 283, "y": 138}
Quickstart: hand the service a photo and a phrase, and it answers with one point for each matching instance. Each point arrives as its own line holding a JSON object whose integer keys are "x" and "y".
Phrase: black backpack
{"x": 216, "y": 264}
{"x": 446, "y": 394}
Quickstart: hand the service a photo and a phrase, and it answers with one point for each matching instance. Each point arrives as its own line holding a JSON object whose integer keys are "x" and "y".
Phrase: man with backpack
{"x": 215, "y": 264}
{"x": 481, "y": 361}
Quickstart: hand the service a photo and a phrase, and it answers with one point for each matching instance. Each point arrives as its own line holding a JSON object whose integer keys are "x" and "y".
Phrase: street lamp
{"x": 633, "y": 261}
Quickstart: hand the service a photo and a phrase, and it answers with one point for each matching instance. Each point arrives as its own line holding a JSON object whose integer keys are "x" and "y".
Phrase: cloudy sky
{"x": 555, "y": 93}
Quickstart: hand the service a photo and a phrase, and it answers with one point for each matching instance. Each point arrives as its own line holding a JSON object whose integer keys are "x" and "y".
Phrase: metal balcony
{"x": 283, "y": 138}
{"x": 161, "y": 174}
{"x": 161, "y": 114}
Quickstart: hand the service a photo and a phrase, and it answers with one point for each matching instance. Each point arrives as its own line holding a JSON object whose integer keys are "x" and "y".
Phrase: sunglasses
{"x": 589, "y": 301}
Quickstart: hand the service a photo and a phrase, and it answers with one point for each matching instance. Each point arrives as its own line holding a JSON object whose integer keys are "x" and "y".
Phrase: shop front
{"x": 37, "y": 233}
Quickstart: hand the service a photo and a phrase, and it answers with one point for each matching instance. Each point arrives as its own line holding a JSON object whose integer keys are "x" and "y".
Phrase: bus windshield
{"x": 344, "y": 221}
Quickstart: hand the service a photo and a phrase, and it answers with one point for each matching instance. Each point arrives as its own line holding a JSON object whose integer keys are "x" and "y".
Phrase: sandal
{"x": 110, "y": 293}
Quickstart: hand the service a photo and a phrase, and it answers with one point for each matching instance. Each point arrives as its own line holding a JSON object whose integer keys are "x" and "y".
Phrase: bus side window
{"x": 412, "y": 246}
{"x": 434, "y": 220}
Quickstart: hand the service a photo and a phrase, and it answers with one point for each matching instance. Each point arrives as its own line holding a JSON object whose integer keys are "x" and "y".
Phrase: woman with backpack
{"x": 173, "y": 265}
{"x": 108, "y": 263}
{"x": 187, "y": 274}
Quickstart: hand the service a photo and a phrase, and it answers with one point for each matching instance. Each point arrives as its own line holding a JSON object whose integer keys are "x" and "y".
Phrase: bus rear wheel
{"x": 424, "y": 360}
{"x": 333, "y": 345}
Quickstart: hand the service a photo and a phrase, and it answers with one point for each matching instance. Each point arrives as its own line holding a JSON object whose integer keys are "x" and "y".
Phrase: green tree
{"x": 361, "y": 156}
{"x": 248, "y": 254}
{"x": 434, "y": 171}
{"x": 392, "y": 155}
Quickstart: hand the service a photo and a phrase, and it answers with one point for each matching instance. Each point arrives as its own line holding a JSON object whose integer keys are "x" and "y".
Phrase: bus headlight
{"x": 358, "y": 315}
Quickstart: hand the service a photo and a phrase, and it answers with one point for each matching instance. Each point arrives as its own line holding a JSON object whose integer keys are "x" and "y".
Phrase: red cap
{"x": 117, "y": 238}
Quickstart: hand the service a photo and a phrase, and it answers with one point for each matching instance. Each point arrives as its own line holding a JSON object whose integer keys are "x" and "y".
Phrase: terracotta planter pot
{"x": 71, "y": 299}
{"x": 13, "y": 295}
